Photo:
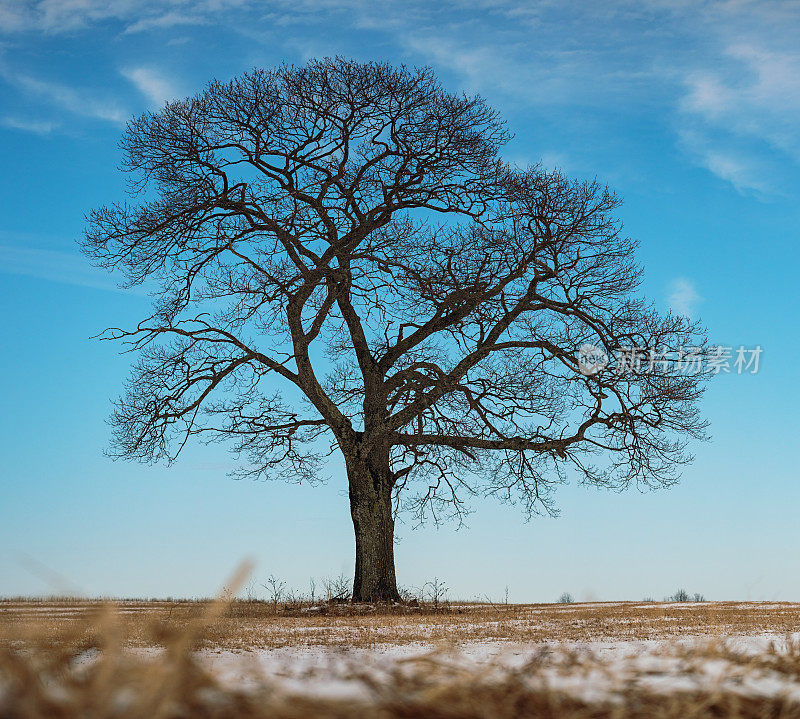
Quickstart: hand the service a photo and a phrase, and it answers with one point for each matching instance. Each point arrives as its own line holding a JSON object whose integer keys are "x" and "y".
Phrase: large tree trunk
{"x": 371, "y": 510}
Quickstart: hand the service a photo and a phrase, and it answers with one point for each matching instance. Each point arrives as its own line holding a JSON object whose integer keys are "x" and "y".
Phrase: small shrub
{"x": 338, "y": 589}
{"x": 683, "y": 596}
{"x": 566, "y": 598}
{"x": 436, "y": 591}
{"x": 275, "y": 589}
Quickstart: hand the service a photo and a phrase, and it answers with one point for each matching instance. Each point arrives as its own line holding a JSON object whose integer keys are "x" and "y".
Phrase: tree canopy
{"x": 338, "y": 251}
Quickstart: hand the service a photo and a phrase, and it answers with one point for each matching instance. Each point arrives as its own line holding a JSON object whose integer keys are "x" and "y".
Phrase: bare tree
{"x": 275, "y": 590}
{"x": 436, "y": 590}
{"x": 336, "y": 250}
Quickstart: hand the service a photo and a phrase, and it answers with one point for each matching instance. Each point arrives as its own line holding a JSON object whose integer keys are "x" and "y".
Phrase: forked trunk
{"x": 371, "y": 510}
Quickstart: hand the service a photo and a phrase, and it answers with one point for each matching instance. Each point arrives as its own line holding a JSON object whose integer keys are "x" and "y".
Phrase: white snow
{"x": 595, "y": 670}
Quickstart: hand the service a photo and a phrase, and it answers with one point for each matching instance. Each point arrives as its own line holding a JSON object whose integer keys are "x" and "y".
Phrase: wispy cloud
{"x": 57, "y": 16}
{"x": 74, "y": 100}
{"x": 151, "y": 83}
{"x": 683, "y": 297}
{"x": 14, "y": 16}
{"x": 54, "y": 265}
{"x": 730, "y": 159}
{"x": 734, "y": 170}
{"x": 750, "y": 100}
{"x": 725, "y": 74}
{"x": 38, "y": 127}
{"x": 728, "y": 73}
{"x": 167, "y": 20}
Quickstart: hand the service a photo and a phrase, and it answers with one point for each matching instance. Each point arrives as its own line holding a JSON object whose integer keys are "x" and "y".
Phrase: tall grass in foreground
{"x": 87, "y": 668}
{"x": 89, "y": 675}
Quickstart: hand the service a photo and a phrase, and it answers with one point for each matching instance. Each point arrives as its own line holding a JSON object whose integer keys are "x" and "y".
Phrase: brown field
{"x": 156, "y": 659}
{"x": 261, "y": 625}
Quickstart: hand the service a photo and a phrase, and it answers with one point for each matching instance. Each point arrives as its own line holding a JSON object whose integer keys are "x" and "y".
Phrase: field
{"x": 185, "y": 658}
{"x": 257, "y": 625}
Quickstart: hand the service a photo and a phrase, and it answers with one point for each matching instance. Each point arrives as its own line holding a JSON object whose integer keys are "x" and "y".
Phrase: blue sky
{"x": 687, "y": 109}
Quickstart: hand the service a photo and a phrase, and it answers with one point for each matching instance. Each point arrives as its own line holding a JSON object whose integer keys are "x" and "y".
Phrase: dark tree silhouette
{"x": 348, "y": 231}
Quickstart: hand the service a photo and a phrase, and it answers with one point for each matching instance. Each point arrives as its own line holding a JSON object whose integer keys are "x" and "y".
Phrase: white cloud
{"x": 38, "y": 127}
{"x": 68, "y": 98}
{"x": 151, "y": 83}
{"x": 735, "y": 170}
{"x": 726, "y": 71}
{"x": 167, "y": 20}
{"x": 12, "y": 15}
{"x": 683, "y": 297}
{"x": 542, "y": 75}
{"x": 54, "y": 16}
{"x": 477, "y": 65}
{"x": 57, "y": 16}
{"x": 756, "y": 94}
{"x": 54, "y": 265}
{"x": 730, "y": 159}
{"x": 741, "y": 102}
{"x": 728, "y": 168}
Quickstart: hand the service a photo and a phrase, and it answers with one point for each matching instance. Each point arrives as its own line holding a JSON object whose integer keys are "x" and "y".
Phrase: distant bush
{"x": 410, "y": 594}
{"x": 566, "y": 598}
{"x": 435, "y": 591}
{"x": 275, "y": 589}
{"x": 683, "y": 596}
{"x": 338, "y": 589}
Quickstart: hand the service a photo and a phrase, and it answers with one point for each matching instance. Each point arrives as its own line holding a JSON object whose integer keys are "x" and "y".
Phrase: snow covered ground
{"x": 592, "y": 671}
{"x": 712, "y": 655}
{"x": 589, "y": 650}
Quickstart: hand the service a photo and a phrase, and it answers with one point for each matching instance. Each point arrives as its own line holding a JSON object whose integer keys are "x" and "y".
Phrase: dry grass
{"x": 256, "y": 625}
{"x": 76, "y": 665}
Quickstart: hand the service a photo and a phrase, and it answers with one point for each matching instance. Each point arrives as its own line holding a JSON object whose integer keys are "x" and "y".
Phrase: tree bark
{"x": 371, "y": 509}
